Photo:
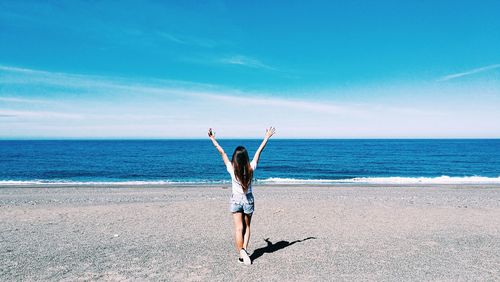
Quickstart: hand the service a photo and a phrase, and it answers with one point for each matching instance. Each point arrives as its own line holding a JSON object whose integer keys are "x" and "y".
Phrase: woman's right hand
{"x": 211, "y": 133}
{"x": 270, "y": 132}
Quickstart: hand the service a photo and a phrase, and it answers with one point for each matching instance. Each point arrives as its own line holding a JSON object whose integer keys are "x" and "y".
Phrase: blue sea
{"x": 282, "y": 162}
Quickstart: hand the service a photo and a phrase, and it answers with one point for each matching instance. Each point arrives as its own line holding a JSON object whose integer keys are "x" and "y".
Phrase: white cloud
{"x": 100, "y": 106}
{"x": 293, "y": 104}
{"x": 182, "y": 89}
{"x": 38, "y": 114}
{"x": 245, "y": 61}
{"x": 469, "y": 72}
{"x": 22, "y": 100}
{"x": 187, "y": 40}
{"x": 172, "y": 38}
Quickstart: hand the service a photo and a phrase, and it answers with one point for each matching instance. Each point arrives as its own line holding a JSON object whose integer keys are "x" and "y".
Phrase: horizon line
{"x": 233, "y": 138}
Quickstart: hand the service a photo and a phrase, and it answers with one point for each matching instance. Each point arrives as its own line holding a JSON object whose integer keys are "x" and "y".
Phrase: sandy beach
{"x": 299, "y": 233}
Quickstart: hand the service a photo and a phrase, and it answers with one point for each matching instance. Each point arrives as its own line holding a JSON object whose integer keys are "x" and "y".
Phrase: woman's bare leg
{"x": 246, "y": 230}
{"x": 239, "y": 229}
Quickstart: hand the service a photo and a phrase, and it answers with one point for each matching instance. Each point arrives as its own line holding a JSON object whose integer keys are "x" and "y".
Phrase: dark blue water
{"x": 282, "y": 160}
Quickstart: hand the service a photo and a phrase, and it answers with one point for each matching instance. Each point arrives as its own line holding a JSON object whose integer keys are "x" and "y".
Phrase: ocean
{"x": 283, "y": 161}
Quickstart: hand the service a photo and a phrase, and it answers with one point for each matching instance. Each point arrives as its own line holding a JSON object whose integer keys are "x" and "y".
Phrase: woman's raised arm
{"x": 269, "y": 132}
{"x": 211, "y": 135}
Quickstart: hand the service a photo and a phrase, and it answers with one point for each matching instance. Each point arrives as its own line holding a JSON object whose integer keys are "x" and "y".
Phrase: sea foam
{"x": 273, "y": 181}
{"x": 388, "y": 180}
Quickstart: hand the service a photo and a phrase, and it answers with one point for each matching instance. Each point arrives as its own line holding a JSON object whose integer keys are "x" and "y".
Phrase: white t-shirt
{"x": 237, "y": 189}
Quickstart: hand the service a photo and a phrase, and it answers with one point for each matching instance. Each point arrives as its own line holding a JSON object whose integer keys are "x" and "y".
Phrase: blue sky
{"x": 314, "y": 69}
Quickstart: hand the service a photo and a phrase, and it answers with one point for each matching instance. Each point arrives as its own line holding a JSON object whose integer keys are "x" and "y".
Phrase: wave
{"x": 388, "y": 180}
{"x": 274, "y": 180}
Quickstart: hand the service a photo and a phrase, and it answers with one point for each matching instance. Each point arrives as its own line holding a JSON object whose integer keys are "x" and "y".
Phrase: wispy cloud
{"x": 172, "y": 38}
{"x": 112, "y": 106}
{"x": 242, "y": 61}
{"x": 245, "y": 61}
{"x": 26, "y": 76}
{"x": 6, "y": 116}
{"x": 23, "y": 100}
{"x": 166, "y": 88}
{"x": 169, "y": 88}
{"x": 17, "y": 69}
{"x": 38, "y": 114}
{"x": 187, "y": 40}
{"x": 292, "y": 104}
{"x": 469, "y": 72}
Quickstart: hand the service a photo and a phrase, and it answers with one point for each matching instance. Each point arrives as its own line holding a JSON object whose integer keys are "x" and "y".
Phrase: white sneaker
{"x": 246, "y": 258}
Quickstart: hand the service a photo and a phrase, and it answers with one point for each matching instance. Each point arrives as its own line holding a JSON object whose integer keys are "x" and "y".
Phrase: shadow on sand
{"x": 271, "y": 248}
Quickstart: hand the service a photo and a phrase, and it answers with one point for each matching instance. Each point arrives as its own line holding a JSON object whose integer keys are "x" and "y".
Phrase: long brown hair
{"x": 242, "y": 169}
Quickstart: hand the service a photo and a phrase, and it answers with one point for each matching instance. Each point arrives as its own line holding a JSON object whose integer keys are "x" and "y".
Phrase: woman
{"x": 242, "y": 202}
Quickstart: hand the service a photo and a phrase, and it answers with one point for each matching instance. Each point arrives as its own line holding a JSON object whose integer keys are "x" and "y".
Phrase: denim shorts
{"x": 242, "y": 203}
